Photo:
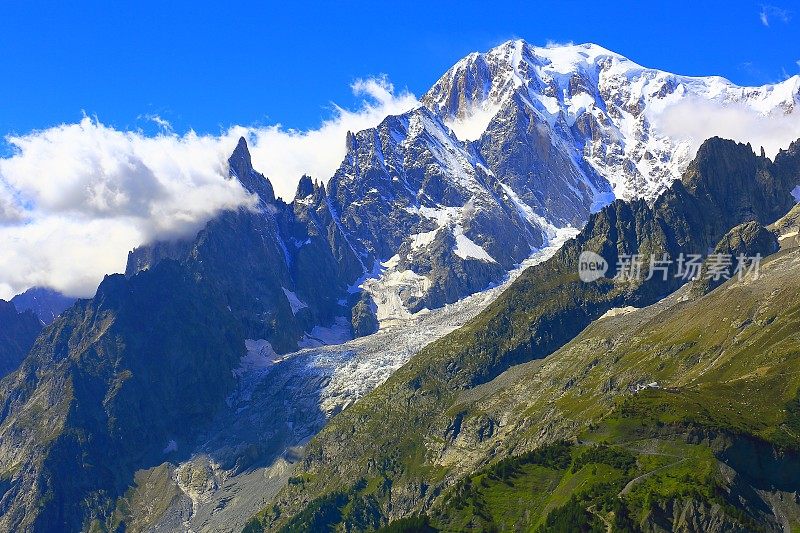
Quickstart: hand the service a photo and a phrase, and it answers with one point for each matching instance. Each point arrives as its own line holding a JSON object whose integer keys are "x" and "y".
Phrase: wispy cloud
{"x": 770, "y": 13}
{"x": 156, "y": 119}
{"x": 75, "y": 198}
{"x": 556, "y": 44}
{"x": 751, "y": 69}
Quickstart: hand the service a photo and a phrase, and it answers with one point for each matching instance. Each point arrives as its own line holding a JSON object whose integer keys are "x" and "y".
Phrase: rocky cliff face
{"x": 425, "y": 215}
{"x": 18, "y": 330}
{"x": 116, "y": 383}
{"x": 46, "y": 304}
{"x": 282, "y": 269}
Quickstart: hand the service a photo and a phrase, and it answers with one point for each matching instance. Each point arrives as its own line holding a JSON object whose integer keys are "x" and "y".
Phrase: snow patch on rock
{"x": 296, "y": 303}
{"x": 466, "y": 248}
{"x": 422, "y": 240}
{"x": 337, "y": 333}
{"x": 472, "y": 126}
{"x": 618, "y": 311}
{"x": 549, "y": 230}
{"x": 386, "y": 291}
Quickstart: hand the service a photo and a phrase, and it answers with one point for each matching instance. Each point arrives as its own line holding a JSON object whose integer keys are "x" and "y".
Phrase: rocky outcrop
{"x": 410, "y": 196}
{"x": 736, "y": 254}
{"x": 364, "y": 321}
{"x": 691, "y": 515}
{"x": 281, "y": 268}
{"x": 46, "y": 304}
{"x": 18, "y": 330}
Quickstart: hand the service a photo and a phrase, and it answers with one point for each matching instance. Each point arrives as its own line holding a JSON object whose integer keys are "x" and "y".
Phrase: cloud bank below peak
{"x": 693, "y": 120}
{"x": 75, "y": 198}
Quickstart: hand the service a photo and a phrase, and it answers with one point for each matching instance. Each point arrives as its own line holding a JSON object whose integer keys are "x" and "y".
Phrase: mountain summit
{"x": 594, "y": 104}
{"x": 510, "y": 147}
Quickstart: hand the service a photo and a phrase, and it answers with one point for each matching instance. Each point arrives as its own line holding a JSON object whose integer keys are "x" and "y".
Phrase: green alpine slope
{"x": 684, "y": 415}
{"x": 702, "y": 416}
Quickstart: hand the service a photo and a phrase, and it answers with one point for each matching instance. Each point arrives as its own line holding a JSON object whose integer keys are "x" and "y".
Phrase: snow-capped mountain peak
{"x": 627, "y": 122}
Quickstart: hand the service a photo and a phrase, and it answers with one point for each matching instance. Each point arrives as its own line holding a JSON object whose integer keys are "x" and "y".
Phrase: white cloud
{"x": 162, "y": 123}
{"x": 84, "y": 194}
{"x": 10, "y": 211}
{"x": 169, "y": 184}
{"x": 695, "y": 120}
{"x": 68, "y": 254}
{"x": 75, "y": 198}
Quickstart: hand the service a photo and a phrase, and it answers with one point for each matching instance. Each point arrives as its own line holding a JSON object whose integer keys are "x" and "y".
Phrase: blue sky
{"x": 208, "y": 65}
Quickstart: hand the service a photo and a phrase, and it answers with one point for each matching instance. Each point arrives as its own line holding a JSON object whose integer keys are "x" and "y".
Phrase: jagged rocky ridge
{"x": 282, "y": 269}
{"x": 116, "y": 383}
{"x": 402, "y": 432}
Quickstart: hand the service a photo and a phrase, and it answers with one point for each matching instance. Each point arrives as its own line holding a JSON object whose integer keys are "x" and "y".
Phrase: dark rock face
{"x": 116, "y": 383}
{"x": 18, "y": 330}
{"x": 259, "y": 260}
{"x": 305, "y": 187}
{"x": 741, "y": 245}
{"x": 47, "y": 304}
{"x": 523, "y": 148}
{"x": 364, "y": 322}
